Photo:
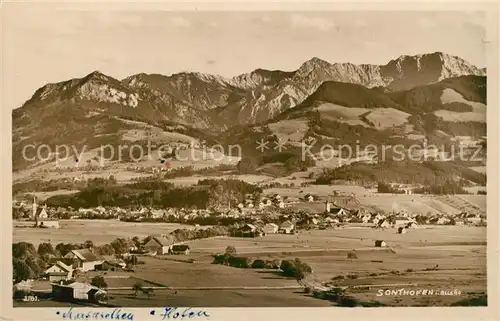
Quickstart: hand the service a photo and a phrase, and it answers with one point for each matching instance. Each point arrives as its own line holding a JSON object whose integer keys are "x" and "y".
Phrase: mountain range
{"x": 97, "y": 104}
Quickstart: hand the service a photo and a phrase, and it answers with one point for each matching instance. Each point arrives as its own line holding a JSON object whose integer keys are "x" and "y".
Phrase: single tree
{"x": 88, "y": 244}
{"x": 45, "y": 248}
{"x": 230, "y": 250}
{"x": 99, "y": 282}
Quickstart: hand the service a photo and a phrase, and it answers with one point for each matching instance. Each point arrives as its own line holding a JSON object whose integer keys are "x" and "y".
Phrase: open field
{"x": 348, "y": 115}
{"x": 451, "y": 96}
{"x": 291, "y": 130}
{"x": 384, "y": 118}
{"x": 342, "y": 239}
{"x": 429, "y": 257}
{"x": 381, "y": 118}
{"x": 416, "y": 203}
{"x": 453, "y": 257}
{"x": 99, "y": 231}
{"x": 319, "y": 190}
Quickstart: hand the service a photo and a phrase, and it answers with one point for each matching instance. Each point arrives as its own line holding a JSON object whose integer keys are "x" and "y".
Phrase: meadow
{"x": 99, "y": 231}
{"x": 437, "y": 257}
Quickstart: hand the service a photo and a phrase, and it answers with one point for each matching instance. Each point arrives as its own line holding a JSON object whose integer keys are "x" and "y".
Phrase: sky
{"x": 43, "y": 46}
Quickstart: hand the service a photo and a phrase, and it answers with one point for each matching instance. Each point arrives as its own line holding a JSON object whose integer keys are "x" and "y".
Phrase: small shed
{"x": 380, "y": 243}
{"x": 180, "y": 249}
{"x": 401, "y": 230}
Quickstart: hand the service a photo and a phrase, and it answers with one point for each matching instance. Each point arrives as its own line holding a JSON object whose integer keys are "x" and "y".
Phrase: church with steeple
{"x": 41, "y": 217}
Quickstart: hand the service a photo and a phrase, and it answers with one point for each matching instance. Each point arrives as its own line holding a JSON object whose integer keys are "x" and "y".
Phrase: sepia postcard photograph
{"x": 247, "y": 158}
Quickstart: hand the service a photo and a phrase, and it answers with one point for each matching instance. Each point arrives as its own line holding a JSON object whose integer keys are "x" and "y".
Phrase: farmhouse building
{"x": 383, "y": 223}
{"x": 111, "y": 265}
{"x": 83, "y": 260}
{"x": 286, "y": 227}
{"x": 249, "y": 230}
{"x": 180, "y": 249}
{"x": 59, "y": 271}
{"x": 158, "y": 245}
{"x": 309, "y": 198}
{"x": 276, "y": 197}
{"x": 411, "y": 224}
{"x": 270, "y": 228}
{"x": 380, "y": 243}
{"x": 439, "y": 220}
{"x": 401, "y": 221}
{"x": 77, "y": 291}
{"x": 338, "y": 211}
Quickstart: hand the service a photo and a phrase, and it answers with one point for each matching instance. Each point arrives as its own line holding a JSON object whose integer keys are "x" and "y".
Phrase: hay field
{"x": 381, "y": 118}
{"x": 384, "y": 118}
{"x": 478, "y": 200}
{"x": 479, "y": 169}
{"x": 220, "y": 298}
{"x": 449, "y": 96}
{"x": 345, "y": 239}
{"x": 291, "y": 130}
{"x": 319, "y": 190}
{"x": 453, "y": 257}
{"x": 348, "y": 115}
{"x": 193, "y": 180}
{"x": 99, "y": 231}
{"x": 410, "y": 203}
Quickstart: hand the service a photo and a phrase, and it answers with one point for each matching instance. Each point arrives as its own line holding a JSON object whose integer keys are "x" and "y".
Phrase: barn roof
{"x": 348, "y": 202}
{"x": 180, "y": 247}
{"x": 85, "y": 255}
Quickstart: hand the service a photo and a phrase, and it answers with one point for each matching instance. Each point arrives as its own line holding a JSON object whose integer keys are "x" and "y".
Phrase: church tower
{"x": 34, "y": 207}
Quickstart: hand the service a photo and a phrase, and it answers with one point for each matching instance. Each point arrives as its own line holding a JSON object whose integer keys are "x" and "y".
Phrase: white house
{"x": 286, "y": 227}
{"x": 83, "y": 260}
{"x": 401, "y": 221}
{"x": 383, "y": 223}
{"x": 270, "y": 228}
{"x": 338, "y": 212}
{"x": 366, "y": 218}
{"x": 159, "y": 245}
{"x": 59, "y": 271}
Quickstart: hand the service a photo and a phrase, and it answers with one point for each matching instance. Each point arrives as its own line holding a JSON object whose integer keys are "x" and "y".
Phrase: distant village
{"x": 271, "y": 214}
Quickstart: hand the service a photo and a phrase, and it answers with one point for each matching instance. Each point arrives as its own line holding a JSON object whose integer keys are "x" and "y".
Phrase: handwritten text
{"x": 116, "y": 314}
{"x": 175, "y": 313}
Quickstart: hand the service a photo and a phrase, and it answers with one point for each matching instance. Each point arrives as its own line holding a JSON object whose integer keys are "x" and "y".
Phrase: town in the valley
{"x": 295, "y": 238}
{"x": 165, "y": 171}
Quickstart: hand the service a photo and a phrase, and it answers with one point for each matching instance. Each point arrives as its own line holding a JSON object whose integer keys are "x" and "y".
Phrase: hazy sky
{"x": 42, "y": 46}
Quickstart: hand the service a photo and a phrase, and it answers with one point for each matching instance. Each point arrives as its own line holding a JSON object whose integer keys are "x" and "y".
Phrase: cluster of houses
{"x": 62, "y": 273}
{"x": 45, "y": 216}
{"x": 337, "y": 209}
{"x": 258, "y": 230}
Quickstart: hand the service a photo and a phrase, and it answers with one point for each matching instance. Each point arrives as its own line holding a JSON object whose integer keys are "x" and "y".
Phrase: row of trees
{"x": 292, "y": 162}
{"x": 156, "y": 193}
{"x": 290, "y": 268}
